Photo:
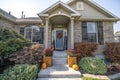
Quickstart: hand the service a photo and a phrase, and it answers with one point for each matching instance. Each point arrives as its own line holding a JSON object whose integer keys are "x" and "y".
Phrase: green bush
{"x": 93, "y": 65}
{"x": 10, "y": 41}
{"x": 20, "y": 72}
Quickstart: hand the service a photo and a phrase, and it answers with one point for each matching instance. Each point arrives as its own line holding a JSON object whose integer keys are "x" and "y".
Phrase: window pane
{"x": 92, "y": 37}
{"x": 22, "y": 30}
{"x": 28, "y": 33}
{"x": 91, "y": 27}
{"x": 36, "y": 34}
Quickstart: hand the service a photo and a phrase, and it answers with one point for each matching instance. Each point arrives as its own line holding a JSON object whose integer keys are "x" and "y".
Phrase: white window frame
{"x": 30, "y": 27}
{"x": 79, "y": 6}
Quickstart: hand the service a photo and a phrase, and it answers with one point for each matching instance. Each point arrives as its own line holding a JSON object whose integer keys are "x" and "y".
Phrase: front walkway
{"x": 59, "y": 70}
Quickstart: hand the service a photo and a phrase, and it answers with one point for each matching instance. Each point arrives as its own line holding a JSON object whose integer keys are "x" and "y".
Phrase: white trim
{"x": 102, "y": 19}
{"x": 57, "y": 3}
{"x": 46, "y": 32}
{"x": 72, "y": 33}
{"x": 56, "y": 14}
{"x": 45, "y": 15}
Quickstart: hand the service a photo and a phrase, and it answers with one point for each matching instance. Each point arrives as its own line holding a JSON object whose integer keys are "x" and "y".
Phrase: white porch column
{"x": 72, "y": 33}
{"x": 46, "y": 32}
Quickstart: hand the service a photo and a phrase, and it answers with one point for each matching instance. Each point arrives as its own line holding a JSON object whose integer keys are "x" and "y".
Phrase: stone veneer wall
{"x": 49, "y": 36}
{"x": 7, "y": 24}
{"x": 77, "y": 32}
{"x": 108, "y": 32}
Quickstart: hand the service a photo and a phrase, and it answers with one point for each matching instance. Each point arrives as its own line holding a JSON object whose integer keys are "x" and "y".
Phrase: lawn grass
{"x": 89, "y": 78}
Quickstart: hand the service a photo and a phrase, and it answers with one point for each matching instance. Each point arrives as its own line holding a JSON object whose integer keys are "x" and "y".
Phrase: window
{"x": 34, "y": 33}
{"x": 79, "y": 6}
{"x": 92, "y": 32}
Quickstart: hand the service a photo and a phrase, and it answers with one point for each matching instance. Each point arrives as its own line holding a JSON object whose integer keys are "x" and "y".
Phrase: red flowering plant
{"x": 48, "y": 52}
{"x": 72, "y": 53}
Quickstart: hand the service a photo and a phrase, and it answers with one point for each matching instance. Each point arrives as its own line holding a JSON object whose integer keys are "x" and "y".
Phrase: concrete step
{"x": 59, "y": 54}
{"x": 59, "y": 61}
{"x": 99, "y": 50}
{"x": 59, "y": 79}
{"x": 59, "y": 71}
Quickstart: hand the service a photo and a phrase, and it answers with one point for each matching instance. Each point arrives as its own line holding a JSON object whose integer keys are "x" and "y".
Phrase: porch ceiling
{"x": 59, "y": 20}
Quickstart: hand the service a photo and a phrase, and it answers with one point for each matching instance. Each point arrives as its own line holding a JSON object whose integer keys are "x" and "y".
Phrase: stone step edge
{"x": 59, "y": 57}
{"x": 60, "y": 76}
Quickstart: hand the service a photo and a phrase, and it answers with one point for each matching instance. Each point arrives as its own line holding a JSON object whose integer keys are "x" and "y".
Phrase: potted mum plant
{"x": 72, "y": 57}
{"x": 48, "y": 53}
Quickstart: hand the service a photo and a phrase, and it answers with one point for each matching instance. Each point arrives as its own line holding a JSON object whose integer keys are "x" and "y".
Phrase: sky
{"x": 32, "y": 7}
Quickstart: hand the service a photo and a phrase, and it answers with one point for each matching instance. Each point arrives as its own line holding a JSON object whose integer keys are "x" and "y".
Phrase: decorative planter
{"x": 72, "y": 61}
{"x": 48, "y": 60}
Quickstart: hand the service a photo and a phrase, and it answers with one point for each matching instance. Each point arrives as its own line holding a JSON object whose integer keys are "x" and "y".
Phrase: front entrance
{"x": 59, "y": 45}
{"x": 60, "y": 39}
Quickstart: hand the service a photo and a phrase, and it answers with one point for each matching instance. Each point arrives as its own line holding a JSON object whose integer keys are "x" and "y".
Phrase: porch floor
{"x": 59, "y": 70}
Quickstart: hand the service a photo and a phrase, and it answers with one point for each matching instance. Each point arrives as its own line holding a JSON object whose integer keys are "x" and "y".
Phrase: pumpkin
{"x": 75, "y": 67}
{"x": 44, "y": 66}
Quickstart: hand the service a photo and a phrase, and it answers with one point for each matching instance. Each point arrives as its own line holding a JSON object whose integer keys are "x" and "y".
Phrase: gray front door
{"x": 59, "y": 40}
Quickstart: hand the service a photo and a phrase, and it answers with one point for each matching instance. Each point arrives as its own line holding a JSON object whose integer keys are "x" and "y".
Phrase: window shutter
{"x": 84, "y": 32}
{"x": 100, "y": 33}
{"x": 22, "y": 31}
{"x": 41, "y": 35}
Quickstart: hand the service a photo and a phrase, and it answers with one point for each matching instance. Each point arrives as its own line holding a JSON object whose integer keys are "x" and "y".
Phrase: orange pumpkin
{"x": 75, "y": 67}
{"x": 44, "y": 66}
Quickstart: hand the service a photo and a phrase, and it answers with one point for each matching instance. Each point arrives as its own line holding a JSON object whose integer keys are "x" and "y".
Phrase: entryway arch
{"x": 60, "y": 26}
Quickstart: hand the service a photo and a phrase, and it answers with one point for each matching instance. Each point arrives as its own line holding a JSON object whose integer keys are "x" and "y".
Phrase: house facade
{"x": 63, "y": 24}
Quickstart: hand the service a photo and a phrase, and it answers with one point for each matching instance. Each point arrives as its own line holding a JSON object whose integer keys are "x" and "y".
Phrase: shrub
{"x": 10, "y": 41}
{"x": 20, "y": 72}
{"x": 48, "y": 52}
{"x": 29, "y": 55}
{"x": 93, "y": 65}
{"x": 112, "y": 52}
{"x": 85, "y": 48}
{"x": 72, "y": 52}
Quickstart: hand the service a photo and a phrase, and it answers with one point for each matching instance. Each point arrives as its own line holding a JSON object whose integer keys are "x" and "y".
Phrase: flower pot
{"x": 72, "y": 61}
{"x": 48, "y": 60}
